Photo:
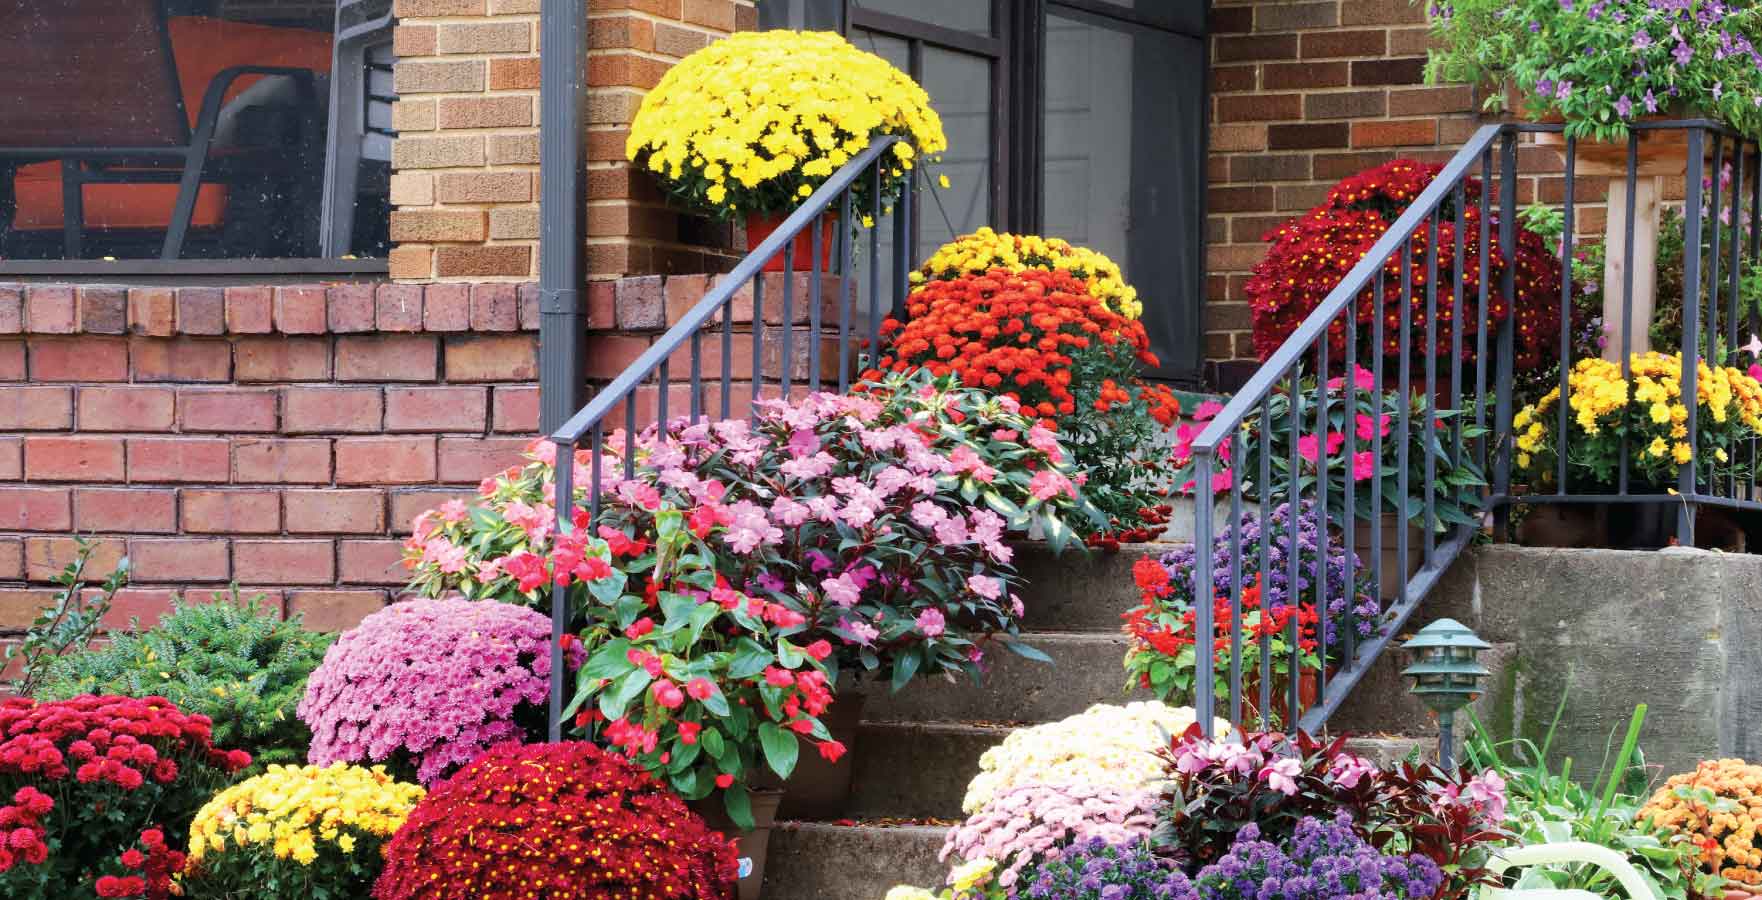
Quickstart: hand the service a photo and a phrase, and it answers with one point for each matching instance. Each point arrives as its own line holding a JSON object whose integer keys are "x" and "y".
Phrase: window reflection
{"x": 193, "y": 128}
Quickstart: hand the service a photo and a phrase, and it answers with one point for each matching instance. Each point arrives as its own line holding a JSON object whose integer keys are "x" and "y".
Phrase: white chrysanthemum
{"x": 1103, "y": 745}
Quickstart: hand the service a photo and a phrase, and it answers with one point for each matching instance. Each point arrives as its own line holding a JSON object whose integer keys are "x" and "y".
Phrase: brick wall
{"x": 282, "y": 437}
{"x": 465, "y": 165}
{"x": 632, "y": 43}
{"x": 1304, "y": 94}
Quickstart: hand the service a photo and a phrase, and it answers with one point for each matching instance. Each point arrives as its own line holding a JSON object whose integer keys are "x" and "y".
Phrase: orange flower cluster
{"x": 1719, "y": 807}
{"x": 1029, "y": 334}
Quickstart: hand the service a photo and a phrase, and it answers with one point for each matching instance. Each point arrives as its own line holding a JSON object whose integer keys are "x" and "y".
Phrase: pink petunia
{"x": 931, "y": 622}
{"x": 985, "y": 586}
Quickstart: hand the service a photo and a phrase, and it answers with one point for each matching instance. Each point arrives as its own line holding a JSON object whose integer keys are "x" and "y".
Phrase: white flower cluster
{"x": 1105, "y": 745}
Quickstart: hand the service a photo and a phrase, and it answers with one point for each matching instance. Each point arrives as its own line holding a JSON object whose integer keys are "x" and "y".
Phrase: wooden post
{"x": 1644, "y": 262}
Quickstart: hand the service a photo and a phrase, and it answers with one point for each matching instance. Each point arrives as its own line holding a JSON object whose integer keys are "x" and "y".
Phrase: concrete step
{"x": 1077, "y": 591}
{"x": 918, "y": 770}
{"x": 815, "y": 861}
{"x": 1086, "y": 669}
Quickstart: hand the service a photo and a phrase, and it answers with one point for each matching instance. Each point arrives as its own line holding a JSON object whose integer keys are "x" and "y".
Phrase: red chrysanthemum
{"x": 555, "y": 822}
{"x": 1309, "y": 256}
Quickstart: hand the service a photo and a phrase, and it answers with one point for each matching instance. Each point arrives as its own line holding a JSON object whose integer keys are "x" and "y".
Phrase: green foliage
{"x": 70, "y": 622}
{"x": 1601, "y": 66}
{"x": 230, "y": 660}
{"x": 1545, "y": 806}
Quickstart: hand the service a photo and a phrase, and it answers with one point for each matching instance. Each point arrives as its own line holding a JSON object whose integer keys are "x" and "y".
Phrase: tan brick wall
{"x": 632, "y": 43}
{"x": 465, "y": 184}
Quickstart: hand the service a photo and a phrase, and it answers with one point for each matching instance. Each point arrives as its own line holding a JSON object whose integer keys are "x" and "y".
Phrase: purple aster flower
{"x": 1682, "y": 53}
{"x": 1624, "y": 107}
{"x": 1563, "y": 90}
{"x": 1642, "y": 40}
{"x": 1651, "y": 101}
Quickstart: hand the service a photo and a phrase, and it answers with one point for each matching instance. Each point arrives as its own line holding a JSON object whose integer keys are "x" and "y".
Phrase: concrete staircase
{"x": 918, "y": 749}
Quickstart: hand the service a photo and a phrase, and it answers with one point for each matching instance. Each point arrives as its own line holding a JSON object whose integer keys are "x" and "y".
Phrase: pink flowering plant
{"x": 1374, "y": 421}
{"x": 1029, "y": 824}
{"x": 426, "y": 685}
{"x": 1271, "y": 780}
{"x": 880, "y": 518}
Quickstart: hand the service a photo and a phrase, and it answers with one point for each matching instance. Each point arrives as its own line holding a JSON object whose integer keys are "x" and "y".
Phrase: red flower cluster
{"x": 1310, "y": 255}
{"x": 555, "y": 822}
{"x": 1021, "y": 332}
{"x": 155, "y": 861}
{"x": 1153, "y": 586}
{"x": 83, "y": 750}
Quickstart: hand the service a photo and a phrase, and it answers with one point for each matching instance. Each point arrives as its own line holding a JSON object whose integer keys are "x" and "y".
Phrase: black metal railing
{"x": 802, "y": 351}
{"x": 1456, "y": 416}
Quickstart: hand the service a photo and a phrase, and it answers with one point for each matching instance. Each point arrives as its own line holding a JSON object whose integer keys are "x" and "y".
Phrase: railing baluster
{"x": 1483, "y": 312}
{"x": 1691, "y": 344}
{"x": 846, "y": 261}
{"x": 1431, "y": 355}
{"x": 697, "y": 386}
{"x": 1563, "y": 405}
{"x": 875, "y": 271}
{"x": 1349, "y": 521}
{"x": 814, "y": 300}
{"x": 630, "y": 437}
{"x": 1507, "y": 330}
{"x": 1268, "y": 501}
{"x": 1734, "y": 267}
{"x": 596, "y": 480}
{"x": 661, "y": 403}
{"x": 727, "y": 358}
{"x": 758, "y": 342}
{"x": 1376, "y": 439}
{"x": 1294, "y": 519}
{"x": 565, "y": 503}
{"x": 1711, "y": 325}
{"x": 1404, "y": 378}
{"x": 788, "y": 342}
{"x": 902, "y": 246}
{"x": 1235, "y": 577}
{"x": 1203, "y": 592}
{"x": 1457, "y": 305}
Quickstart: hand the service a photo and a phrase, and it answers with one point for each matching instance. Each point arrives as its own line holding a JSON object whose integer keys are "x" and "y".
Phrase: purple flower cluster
{"x": 1347, "y": 578}
{"x": 1097, "y": 870}
{"x": 430, "y": 683}
{"x": 1321, "y": 861}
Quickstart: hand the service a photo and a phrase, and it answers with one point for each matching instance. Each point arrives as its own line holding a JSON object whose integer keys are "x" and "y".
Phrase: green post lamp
{"x": 1445, "y": 675}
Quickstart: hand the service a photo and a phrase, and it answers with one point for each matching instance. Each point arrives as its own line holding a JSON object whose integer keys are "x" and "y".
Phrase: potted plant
{"x": 1648, "y": 413}
{"x": 1055, "y": 328}
{"x": 1599, "y": 68}
{"x": 752, "y": 124}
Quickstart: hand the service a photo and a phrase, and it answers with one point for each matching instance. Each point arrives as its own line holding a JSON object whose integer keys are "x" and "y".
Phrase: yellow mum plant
{"x": 296, "y": 831}
{"x": 754, "y": 122}
{"x": 985, "y": 249}
{"x": 1651, "y": 413}
{"x": 1718, "y": 806}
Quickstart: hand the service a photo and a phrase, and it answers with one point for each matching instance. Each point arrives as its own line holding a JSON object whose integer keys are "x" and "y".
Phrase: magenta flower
{"x": 931, "y": 622}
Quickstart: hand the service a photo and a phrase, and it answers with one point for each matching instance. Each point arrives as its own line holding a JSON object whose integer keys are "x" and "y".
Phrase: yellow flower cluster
{"x": 1650, "y": 409}
{"x": 968, "y": 881}
{"x": 755, "y": 121}
{"x": 292, "y": 810}
{"x": 1718, "y": 806}
{"x": 985, "y": 249}
{"x": 1103, "y": 745}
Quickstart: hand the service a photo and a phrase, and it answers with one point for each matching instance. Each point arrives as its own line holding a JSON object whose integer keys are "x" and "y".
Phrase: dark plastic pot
{"x": 752, "y": 844}
{"x": 817, "y": 789}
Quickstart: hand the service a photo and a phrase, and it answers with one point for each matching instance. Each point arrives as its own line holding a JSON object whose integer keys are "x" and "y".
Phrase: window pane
{"x": 960, "y": 15}
{"x": 108, "y": 76}
{"x": 1186, "y": 16}
{"x": 1123, "y": 163}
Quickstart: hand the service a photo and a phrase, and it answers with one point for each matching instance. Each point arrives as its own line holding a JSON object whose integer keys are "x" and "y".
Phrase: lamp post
{"x": 1445, "y": 675}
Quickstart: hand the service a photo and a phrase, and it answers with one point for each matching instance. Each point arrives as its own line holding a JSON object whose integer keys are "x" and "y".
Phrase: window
{"x": 180, "y": 130}
{"x": 1078, "y": 118}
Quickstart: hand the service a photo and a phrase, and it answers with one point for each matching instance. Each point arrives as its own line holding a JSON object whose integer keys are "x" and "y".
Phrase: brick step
{"x": 917, "y": 770}
{"x": 1088, "y": 669}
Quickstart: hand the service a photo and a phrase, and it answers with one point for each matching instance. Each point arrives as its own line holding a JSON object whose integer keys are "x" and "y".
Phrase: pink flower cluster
{"x": 432, "y": 683}
{"x": 1021, "y": 826}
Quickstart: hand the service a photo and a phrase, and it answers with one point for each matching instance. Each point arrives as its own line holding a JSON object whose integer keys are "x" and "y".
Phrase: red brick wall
{"x": 282, "y": 437}
{"x": 1303, "y": 94}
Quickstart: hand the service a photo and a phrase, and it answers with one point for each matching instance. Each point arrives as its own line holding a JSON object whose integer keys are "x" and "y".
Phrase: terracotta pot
{"x": 761, "y": 225}
{"x": 1308, "y": 695}
{"x": 817, "y": 789}
{"x": 1392, "y": 580}
{"x": 752, "y": 844}
{"x": 1565, "y": 525}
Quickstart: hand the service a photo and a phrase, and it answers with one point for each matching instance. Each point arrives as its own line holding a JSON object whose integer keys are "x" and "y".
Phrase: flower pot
{"x": 761, "y": 225}
{"x": 817, "y": 789}
{"x": 1664, "y": 152}
{"x": 1392, "y": 580}
{"x": 752, "y": 844}
{"x": 1308, "y": 695}
{"x": 1565, "y": 525}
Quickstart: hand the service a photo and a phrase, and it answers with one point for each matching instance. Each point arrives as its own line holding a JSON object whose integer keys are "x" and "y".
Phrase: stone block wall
{"x": 280, "y": 437}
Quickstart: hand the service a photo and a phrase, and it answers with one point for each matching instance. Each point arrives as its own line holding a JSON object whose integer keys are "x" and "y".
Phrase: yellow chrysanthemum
{"x": 757, "y": 120}
{"x": 296, "y": 812}
{"x": 985, "y": 249}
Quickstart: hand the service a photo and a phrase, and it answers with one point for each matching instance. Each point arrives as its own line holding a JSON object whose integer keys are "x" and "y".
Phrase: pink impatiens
{"x": 427, "y": 683}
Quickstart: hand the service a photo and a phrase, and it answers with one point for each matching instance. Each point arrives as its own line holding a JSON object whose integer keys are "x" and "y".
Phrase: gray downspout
{"x": 561, "y": 237}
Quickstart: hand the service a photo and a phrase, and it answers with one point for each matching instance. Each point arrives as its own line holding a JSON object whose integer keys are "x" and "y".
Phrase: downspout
{"x": 561, "y": 236}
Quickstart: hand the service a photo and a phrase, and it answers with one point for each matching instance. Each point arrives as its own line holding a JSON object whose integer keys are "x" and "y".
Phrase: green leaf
{"x": 677, "y": 608}
{"x": 711, "y": 740}
{"x": 613, "y": 702}
{"x": 739, "y": 807}
{"x": 1027, "y": 652}
{"x": 788, "y": 656}
{"x": 700, "y": 618}
{"x": 609, "y": 661}
{"x": 780, "y": 746}
{"x": 716, "y": 702}
{"x": 750, "y": 658}
{"x": 904, "y": 668}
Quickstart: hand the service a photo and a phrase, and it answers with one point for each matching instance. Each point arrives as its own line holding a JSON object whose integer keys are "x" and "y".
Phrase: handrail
{"x": 675, "y": 337}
